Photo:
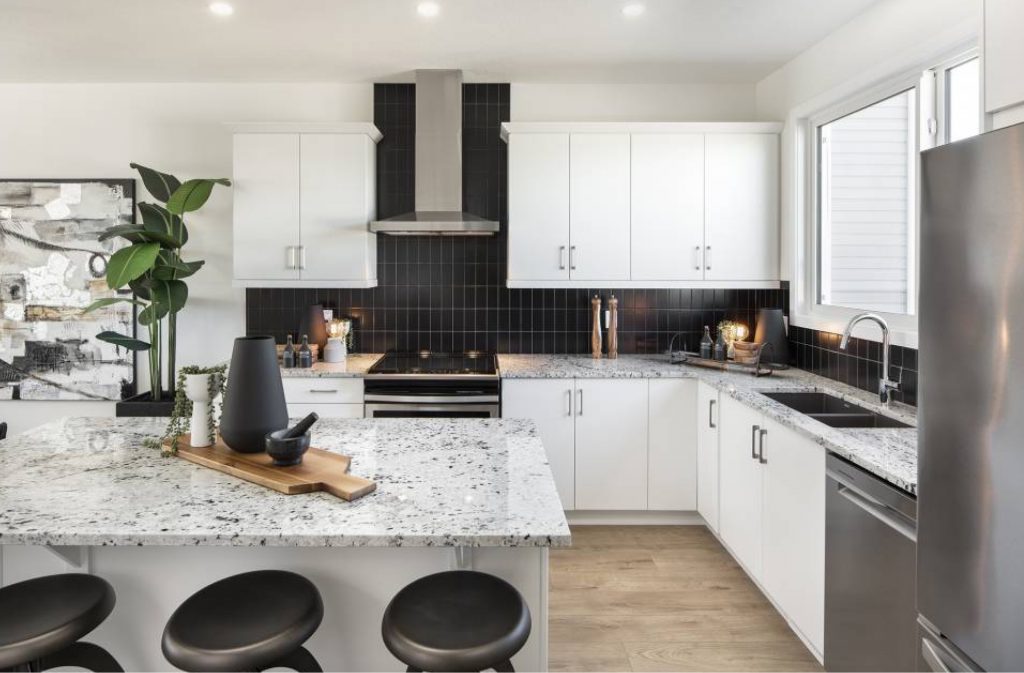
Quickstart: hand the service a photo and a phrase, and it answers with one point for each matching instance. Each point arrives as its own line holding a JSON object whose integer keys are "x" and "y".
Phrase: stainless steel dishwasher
{"x": 870, "y": 572}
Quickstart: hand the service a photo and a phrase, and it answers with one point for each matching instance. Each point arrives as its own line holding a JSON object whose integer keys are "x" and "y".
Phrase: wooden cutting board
{"x": 319, "y": 470}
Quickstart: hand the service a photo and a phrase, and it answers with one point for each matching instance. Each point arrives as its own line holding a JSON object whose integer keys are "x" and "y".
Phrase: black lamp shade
{"x": 314, "y": 326}
{"x": 771, "y": 329}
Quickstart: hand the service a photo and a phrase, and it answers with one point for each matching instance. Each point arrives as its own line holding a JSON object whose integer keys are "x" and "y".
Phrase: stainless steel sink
{"x": 834, "y": 411}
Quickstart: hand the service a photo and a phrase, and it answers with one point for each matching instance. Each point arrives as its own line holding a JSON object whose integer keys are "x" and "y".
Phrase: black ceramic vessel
{"x": 314, "y": 325}
{"x": 254, "y": 399}
{"x": 771, "y": 329}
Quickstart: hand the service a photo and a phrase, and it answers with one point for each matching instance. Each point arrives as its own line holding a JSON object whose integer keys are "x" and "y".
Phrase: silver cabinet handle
{"x": 696, "y": 256}
{"x": 302, "y": 257}
{"x": 572, "y": 257}
{"x": 291, "y": 256}
{"x": 568, "y": 399}
{"x": 579, "y": 402}
{"x": 707, "y": 258}
{"x": 931, "y": 656}
{"x": 879, "y": 510}
{"x": 753, "y": 441}
{"x": 561, "y": 257}
{"x": 760, "y": 449}
{"x": 711, "y": 414}
{"x": 322, "y": 390}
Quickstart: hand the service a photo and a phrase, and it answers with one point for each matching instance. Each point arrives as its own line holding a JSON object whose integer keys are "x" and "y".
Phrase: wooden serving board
{"x": 319, "y": 470}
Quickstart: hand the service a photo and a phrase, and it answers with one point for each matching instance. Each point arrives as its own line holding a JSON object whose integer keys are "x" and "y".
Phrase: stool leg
{"x": 82, "y": 655}
{"x": 504, "y": 667}
{"x": 300, "y": 661}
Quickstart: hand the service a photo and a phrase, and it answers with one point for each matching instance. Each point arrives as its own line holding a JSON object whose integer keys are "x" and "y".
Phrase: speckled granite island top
{"x": 90, "y": 481}
{"x": 888, "y": 453}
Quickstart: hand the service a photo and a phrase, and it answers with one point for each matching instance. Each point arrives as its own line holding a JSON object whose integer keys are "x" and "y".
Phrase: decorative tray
{"x": 756, "y": 368}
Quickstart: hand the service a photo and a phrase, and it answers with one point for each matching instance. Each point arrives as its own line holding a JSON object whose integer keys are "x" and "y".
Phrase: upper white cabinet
{"x": 643, "y": 205}
{"x": 304, "y": 196}
{"x": 1004, "y": 55}
{"x": 742, "y": 207}
{"x": 599, "y": 206}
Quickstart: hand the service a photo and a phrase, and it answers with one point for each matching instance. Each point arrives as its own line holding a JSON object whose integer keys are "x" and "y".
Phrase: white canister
{"x": 336, "y": 350}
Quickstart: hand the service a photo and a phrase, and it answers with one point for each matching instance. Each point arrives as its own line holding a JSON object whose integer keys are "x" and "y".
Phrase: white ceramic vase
{"x": 197, "y": 389}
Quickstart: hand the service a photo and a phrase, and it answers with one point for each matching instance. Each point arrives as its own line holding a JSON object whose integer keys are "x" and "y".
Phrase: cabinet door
{"x": 741, "y": 241}
{"x": 672, "y": 445}
{"x": 793, "y": 565}
{"x": 1004, "y": 54}
{"x": 538, "y": 206}
{"x": 336, "y": 207}
{"x": 549, "y": 403}
{"x": 599, "y": 206}
{"x": 266, "y": 206}
{"x": 707, "y": 454}
{"x": 667, "y": 206}
{"x": 739, "y": 483}
{"x": 611, "y": 444}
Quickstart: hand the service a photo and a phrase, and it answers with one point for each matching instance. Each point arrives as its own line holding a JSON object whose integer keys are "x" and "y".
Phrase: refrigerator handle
{"x": 931, "y": 656}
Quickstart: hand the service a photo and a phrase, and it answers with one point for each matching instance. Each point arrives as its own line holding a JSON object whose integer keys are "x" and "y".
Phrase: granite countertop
{"x": 354, "y": 366}
{"x": 889, "y": 453}
{"x": 90, "y": 481}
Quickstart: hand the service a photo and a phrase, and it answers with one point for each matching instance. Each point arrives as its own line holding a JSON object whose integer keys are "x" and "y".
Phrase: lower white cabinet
{"x": 550, "y": 404}
{"x": 707, "y": 454}
{"x": 611, "y": 444}
{"x": 740, "y": 485}
{"x": 328, "y": 397}
{"x": 672, "y": 445}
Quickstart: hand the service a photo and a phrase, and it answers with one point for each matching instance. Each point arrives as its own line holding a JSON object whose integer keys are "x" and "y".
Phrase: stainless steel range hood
{"x": 438, "y": 164}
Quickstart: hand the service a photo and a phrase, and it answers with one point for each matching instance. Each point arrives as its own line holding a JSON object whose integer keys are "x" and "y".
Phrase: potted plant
{"x": 153, "y": 269}
{"x": 193, "y": 412}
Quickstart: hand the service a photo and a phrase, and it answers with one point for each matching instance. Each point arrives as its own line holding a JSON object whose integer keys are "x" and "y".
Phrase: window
{"x": 862, "y": 247}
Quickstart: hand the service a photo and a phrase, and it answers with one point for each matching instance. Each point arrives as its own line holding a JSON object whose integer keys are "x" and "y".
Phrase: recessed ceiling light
{"x": 633, "y": 9}
{"x": 428, "y": 9}
{"x": 221, "y": 8}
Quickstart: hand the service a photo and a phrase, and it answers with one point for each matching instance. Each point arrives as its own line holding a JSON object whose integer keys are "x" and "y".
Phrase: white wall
{"x": 890, "y": 38}
{"x": 632, "y": 102}
{"x": 95, "y": 130}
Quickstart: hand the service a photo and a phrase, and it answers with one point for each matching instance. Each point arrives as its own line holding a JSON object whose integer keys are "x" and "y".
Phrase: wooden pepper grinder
{"x": 595, "y": 333}
{"x": 613, "y": 328}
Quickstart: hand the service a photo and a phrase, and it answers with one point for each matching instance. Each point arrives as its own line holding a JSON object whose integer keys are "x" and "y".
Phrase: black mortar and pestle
{"x": 286, "y": 446}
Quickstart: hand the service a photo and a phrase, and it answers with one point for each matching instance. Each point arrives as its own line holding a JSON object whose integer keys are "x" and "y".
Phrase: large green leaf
{"x": 108, "y": 301}
{"x": 123, "y": 341}
{"x": 151, "y": 313}
{"x": 169, "y": 294}
{"x": 192, "y": 195}
{"x": 129, "y": 263}
{"x": 137, "y": 233}
{"x": 158, "y": 218}
{"x": 140, "y": 286}
{"x": 170, "y": 267}
{"x": 160, "y": 185}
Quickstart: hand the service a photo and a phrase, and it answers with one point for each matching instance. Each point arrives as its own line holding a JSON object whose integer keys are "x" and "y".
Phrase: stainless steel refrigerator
{"x": 970, "y": 575}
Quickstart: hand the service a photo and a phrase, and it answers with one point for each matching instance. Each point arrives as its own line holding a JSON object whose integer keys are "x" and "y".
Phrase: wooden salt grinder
{"x": 595, "y": 333}
{"x": 613, "y": 328}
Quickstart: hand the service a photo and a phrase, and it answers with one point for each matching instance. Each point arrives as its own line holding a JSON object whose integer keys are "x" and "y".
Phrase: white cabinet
{"x": 740, "y": 484}
{"x": 599, "y": 185}
{"x": 672, "y": 445}
{"x": 550, "y": 404}
{"x": 667, "y": 206}
{"x": 328, "y": 396}
{"x": 793, "y": 561}
{"x": 643, "y": 204}
{"x": 303, "y": 200}
{"x": 707, "y": 454}
{"x": 538, "y": 202}
{"x": 1004, "y": 56}
{"x": 611, "y": 444}
{"x": 742, "y": 207}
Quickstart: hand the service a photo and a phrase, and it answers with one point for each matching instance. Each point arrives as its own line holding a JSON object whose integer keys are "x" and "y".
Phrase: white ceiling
{"x": 378, "y": 40}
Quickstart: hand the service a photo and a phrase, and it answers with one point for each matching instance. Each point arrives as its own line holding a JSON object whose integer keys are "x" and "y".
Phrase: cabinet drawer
{"x": 323, "y": 390}
{"x": 326, "y": 410}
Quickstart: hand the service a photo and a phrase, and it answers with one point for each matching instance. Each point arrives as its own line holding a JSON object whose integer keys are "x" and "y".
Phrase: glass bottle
{"x": 721, "y": 347}
{"x": 288, "y": 358}
{"x": 706, "y": 344}
{"x": 305, "y": 354}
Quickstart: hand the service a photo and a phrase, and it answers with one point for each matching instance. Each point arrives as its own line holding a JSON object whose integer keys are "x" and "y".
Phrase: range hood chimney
{"x": 438, "y": 164}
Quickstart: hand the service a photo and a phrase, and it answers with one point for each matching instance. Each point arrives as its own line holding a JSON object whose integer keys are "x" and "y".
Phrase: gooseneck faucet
{"x": 886, "y": 386}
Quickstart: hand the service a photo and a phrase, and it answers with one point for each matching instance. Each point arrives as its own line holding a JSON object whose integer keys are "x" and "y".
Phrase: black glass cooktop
{"x": 437, "y": 364}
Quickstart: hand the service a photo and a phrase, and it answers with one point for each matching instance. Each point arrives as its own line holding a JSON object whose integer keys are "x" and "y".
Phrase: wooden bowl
{"x": 746, "y": 352}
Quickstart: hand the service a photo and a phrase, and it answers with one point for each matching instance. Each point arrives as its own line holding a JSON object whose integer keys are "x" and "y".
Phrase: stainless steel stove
{"x": 433, "y": 385}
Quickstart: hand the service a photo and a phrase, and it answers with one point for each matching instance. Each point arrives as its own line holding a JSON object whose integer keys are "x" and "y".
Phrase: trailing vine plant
{"x": 181, "y": 414}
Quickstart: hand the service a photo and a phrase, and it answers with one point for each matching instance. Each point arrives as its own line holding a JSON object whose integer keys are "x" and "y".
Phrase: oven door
{"x": 423, "y": 409}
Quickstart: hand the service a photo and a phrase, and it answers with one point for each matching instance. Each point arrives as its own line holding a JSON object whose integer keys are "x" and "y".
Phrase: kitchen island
{"x": 86, "y": 495}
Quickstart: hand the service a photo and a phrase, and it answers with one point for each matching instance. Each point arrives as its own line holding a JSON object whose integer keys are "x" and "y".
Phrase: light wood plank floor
{"x": 662, "y": 598}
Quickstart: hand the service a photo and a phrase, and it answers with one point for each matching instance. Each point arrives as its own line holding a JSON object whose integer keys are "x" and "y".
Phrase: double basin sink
{"x": 834, "y": 411}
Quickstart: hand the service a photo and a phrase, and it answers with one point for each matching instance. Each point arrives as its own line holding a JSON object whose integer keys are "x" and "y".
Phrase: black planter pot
{"x": 143, "y": 405}
{"x": 254, "y": 399}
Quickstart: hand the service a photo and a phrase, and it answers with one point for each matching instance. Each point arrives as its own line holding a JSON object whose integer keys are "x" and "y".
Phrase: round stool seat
{"x": 244, "y": 622}
{"x": 459, "y": 620}
{"x": 41, "y": 616}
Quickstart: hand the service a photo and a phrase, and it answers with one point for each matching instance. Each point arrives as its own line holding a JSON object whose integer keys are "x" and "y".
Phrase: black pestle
{"x": 302, "y": 427}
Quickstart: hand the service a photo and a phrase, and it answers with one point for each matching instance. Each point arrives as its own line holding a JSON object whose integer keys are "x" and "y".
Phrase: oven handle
{"x": 491, "y": 409}
{"x": 433, "y": 399}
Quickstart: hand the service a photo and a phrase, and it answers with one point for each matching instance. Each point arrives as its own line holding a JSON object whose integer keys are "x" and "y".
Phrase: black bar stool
{"x": 460, "y": 620}
{"x": 42, "y": 619}
{"x": 248, "y": 622}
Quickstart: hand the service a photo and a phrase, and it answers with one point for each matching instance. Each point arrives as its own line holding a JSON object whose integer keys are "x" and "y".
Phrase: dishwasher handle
{"x": 887, "y": 515}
